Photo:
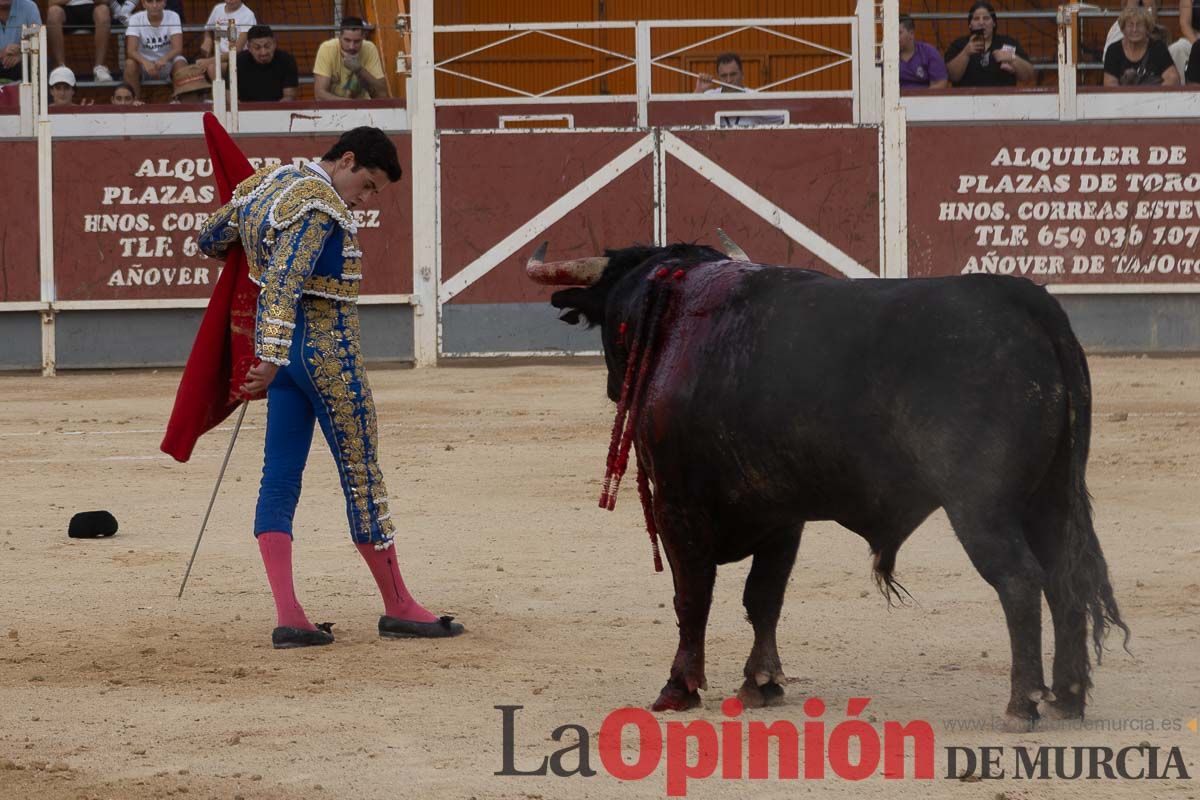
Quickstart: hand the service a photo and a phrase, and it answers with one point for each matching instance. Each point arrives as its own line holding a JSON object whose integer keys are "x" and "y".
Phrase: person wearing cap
{"x": 189, "y": 84}
{"x": 265, "y": 73}
{"x": 80, "y": 14}
{"x": 348, "y": 67}
{"x": 14, "y": 14}
{"x": 297, "y": 228}
{"x": 62, "y": 87}
{"x": 153, "y": 45}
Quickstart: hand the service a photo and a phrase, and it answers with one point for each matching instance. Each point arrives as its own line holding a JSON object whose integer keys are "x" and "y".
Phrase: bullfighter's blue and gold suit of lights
{"x": 302, "y": 248}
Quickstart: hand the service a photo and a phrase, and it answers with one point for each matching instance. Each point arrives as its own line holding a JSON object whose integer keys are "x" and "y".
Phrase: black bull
{"x": 774, "y": 396}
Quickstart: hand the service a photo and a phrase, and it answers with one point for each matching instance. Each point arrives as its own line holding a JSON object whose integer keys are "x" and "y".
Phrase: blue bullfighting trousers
{"x": 324, "y": 381}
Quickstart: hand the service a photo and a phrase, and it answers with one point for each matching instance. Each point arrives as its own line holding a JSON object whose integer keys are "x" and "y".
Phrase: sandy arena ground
{"x": 110, "y": 687}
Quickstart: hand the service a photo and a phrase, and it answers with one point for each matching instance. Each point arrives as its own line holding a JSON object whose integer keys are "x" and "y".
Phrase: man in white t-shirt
{"x": 153, "y": 45}
{"x": 243, "y": 19}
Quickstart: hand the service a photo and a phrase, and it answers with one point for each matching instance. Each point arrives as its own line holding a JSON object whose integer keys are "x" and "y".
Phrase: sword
{"x": 237, "y": 426}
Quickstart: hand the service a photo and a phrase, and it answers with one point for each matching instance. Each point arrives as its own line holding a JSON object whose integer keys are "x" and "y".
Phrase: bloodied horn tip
{"x": 538, "y": 256}
{"x": 731, "y": 247}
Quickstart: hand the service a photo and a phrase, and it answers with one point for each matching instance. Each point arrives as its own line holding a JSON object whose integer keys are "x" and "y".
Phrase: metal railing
{"x": 646, "y": 64}
{"x": 1049, "y": 16}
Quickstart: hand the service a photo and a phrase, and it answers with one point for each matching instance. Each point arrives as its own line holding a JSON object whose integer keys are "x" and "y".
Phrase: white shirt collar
{"x": 316, "y": 167}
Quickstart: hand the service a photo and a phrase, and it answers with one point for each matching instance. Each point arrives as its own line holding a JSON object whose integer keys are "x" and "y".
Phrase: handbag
{"x": 1140, "y": 73}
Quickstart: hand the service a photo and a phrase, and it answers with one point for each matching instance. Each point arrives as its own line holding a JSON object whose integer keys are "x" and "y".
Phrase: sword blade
{"x": 237, "y": 426}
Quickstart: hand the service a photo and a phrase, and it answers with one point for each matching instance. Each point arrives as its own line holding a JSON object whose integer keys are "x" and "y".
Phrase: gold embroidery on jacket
{"x": 219, "y": 231}
{"x": 292, "y": 259}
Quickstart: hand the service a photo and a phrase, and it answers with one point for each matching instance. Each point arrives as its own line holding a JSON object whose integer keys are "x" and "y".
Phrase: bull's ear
{"x": 577, "y": 303}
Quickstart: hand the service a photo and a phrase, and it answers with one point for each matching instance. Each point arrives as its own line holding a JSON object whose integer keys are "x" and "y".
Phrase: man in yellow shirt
{"x": 348, "y": 67}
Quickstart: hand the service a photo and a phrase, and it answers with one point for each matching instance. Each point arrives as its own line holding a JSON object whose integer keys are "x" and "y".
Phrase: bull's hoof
{"x": 1066, "y": 702}
{"x": 753, "y": 695}
{"x": 1020, "y": 717}
{"x": 673, "y": 698}
{"x": 1063, "y": 708}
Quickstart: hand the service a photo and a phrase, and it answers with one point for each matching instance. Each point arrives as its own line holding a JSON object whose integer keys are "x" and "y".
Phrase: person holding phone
{"x": 986, "y": 58}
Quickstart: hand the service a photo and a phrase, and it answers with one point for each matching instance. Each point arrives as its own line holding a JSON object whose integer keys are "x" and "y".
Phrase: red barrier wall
{"x": 19, "y": 276}
{"x": 827, "y": 179}
{"x": 127, "y": 212}
{"x": 1076, "y": 204}
{"x": 494, "y": 183}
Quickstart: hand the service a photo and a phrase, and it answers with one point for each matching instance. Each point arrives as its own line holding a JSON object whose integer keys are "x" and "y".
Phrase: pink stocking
{"x": 276, "y": 549}
{"x": 397, "y": 602}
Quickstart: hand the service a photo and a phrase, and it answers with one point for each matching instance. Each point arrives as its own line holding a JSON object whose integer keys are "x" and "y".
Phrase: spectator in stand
{"x": 14, "y": 14}
{"x": 62, "y": 87}
{"x": 921, "y": 65}
{"x": 1114, "y": 33}
{"x": 1137, "y": 59}
{"x": 122, "y": 10}
{"x": 348, "y": 67}
{"x": 124, "y": 95}
{"x": 1181, "y": 48}
{"x": 153, "y": 45}
{"x": 731, "y": 75}
{"x": 265, "y": 73}
{"x": 729, "y": 72}
{"x": 80, "y": 14}
{"x": 243, "y": 19}
{"x": 190, "y": 85}
{"x": 985, "y": 58}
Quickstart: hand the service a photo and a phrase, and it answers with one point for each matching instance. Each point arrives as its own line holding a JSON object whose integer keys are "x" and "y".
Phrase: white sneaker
{"x": 101, "y": 74}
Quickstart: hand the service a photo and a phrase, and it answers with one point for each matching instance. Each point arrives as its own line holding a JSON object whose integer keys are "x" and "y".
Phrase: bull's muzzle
{"x": 576, "y": 272}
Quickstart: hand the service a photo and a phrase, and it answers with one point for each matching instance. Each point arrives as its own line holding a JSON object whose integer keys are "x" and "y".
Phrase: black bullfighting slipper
{"x": 441, "y": 628}
{"x": 283, "y": 638}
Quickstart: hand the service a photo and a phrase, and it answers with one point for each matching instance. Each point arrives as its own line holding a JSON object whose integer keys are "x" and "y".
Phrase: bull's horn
{"x": 576, "y": 272}
{"x": 730, "y": 247}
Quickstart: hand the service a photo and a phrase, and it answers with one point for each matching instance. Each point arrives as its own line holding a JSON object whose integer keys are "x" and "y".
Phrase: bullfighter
{"x": 301, "y": 242}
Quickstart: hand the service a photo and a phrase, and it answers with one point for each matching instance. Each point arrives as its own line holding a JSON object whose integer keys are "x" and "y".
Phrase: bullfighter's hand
{"x": 258, "y": 378}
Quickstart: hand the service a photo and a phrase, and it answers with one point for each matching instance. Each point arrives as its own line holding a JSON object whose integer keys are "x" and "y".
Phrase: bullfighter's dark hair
{"x": 260, "y": 32}
{"x": 727, "y": 57}
{"x": 372, "y": 149}
{"x": 352, "y": 24}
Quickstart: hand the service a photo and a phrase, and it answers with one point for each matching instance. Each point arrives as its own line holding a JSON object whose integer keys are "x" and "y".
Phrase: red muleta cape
{"x": 224, "y": 347}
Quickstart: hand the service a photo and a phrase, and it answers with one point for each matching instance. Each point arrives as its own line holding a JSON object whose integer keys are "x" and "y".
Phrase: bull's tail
{"x": 1079, "y": 573}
